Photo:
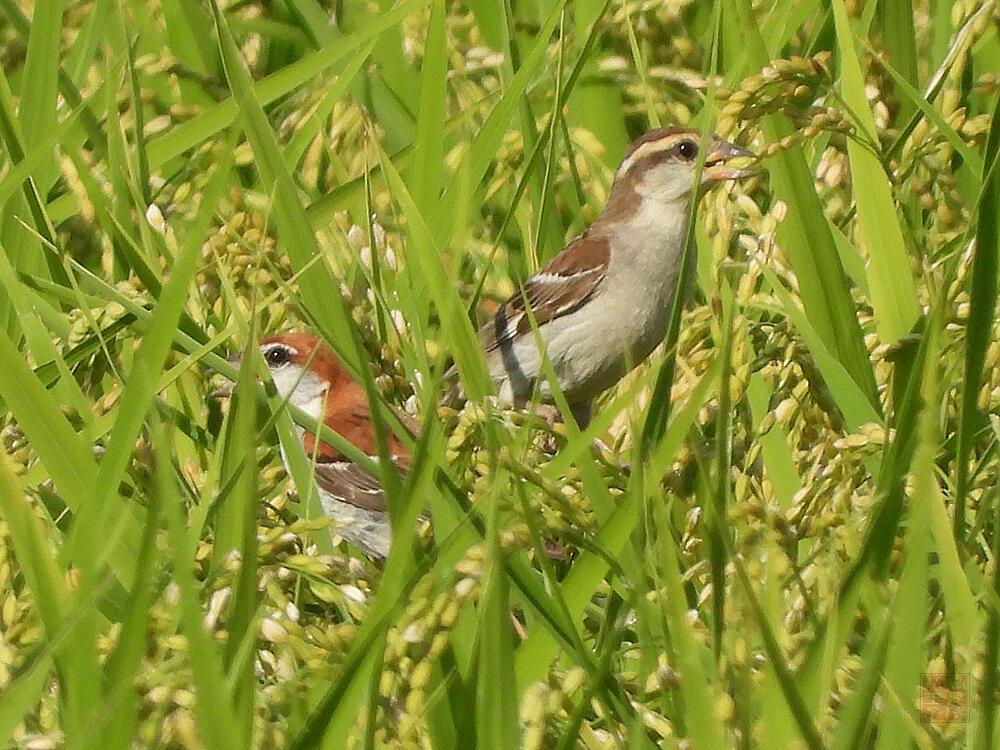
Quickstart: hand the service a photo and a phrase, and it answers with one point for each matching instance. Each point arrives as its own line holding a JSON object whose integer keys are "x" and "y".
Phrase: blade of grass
{"x": 911, "y": 96}
{"x": 905, "y": 659}
{"x": 704, "y": 730}
{"x": 797, "y": 704}
{"x": 961, "y": 613}
{"x": 27, "y": 245}
{"x": 191, "y": 345}
{"x": 426, "y": 171}
{"x": 850, "y": 258}
{"x": 986, "y": 728}
{"x": 805, "y": 237}
{"x": 138, "y": 151}
{"x": 423, "y": 248}
{"x": 31, "y": 544}
{"x": 314, "y": 21}
{"x": 856, "y": 716}
{"x": 40, "y": 74}
{"x": 856, "y": 408}
{"x": 873, "y": 557}
{"x": 236, "y": 533}
{"x": 658, "y": 412}
{"x": 536, "y": 653}
{"x": 39, "y": 338}
{"x": 77, "y": 668}
{"x": 400, "y": 82}
{"x": 893, "y": 293}
{"x": 25, "y": 689}
{"x": 462, "y": 176}
{"x": 489, "y": 16}
{"x": 596, "y": 103}
{"x": 307, "y": 131}
{"x": 67, "y": 460}
{"x": 104, "y": 504}
{"x": 895, "y": 20}
{"x": 496, "y": 699}
{"x": 766, "y": 697}
{"x": 98, "y": 506}
{"x": 189, "y": 36}
{"x": 953, "y": 49}
{"x": 490, "y": 134}
{"x": 335, "y": 709}
{"x": 778, "y": 460}
{"x": 351, "y": 195}
{"x": 719, "y": 531}
{"x": 27, "y": 164}
{"x": 326, "y": 309}
{"x": 119, "y": 714}
{"x": 982, "y": 314}
{"x": 193, "y": 132}
{"x": 213, "y": 710}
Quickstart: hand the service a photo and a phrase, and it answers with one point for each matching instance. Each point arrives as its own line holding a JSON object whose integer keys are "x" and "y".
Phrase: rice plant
{"x": 787, "y": 533}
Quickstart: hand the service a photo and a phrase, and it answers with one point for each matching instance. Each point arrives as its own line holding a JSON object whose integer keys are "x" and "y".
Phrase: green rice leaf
{"x": 892, "y": 290}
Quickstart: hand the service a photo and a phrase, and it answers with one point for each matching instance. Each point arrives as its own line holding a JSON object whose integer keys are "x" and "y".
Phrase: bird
{"x": 307, "y": 373}
{"x": 602, "y": 304}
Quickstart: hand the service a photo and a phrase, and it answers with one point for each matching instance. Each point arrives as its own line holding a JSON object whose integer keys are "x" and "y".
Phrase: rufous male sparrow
{"x": 310, "y": 376}
{"x": 602, "y": 304}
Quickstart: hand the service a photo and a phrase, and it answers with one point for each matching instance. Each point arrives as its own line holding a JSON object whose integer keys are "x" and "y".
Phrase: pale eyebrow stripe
{"x": 647, "y": 149}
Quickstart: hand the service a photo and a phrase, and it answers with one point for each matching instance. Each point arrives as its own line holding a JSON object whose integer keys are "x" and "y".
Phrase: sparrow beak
{"x": 226, "y": 390}
{"x": 716, "y": 166}
{"x": 223, "y": 392}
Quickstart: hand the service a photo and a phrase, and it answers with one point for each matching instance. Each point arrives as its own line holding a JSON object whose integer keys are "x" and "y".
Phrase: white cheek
{"x": 654, "y": 219}
{"x": 284, "y": 380}
{"x": 666, "y": 187}
{"x": 304, "y": 390}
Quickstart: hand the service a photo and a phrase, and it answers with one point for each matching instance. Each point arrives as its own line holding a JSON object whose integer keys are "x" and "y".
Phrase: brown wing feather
{"x": 350, "y": 483}
{"x": 561, "y": 286}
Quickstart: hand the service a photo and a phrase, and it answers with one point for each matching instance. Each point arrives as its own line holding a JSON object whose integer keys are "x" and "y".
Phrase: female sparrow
{"x": 602, "y": 304}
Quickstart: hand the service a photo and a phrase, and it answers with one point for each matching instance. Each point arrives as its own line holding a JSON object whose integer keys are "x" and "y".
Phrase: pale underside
{"x": 634, "y": 284}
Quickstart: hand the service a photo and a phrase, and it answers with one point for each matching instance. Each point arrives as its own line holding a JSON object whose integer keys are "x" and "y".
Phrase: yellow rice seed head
{"x": 533, "y": 702}
{"x": 421, "y": 674}
{"x": 533, "y": 737}
{"x": 414, "y": 703}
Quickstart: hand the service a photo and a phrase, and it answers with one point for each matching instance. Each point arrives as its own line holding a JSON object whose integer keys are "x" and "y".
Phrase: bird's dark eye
{"x": 687, "y": 150}
{"x": 279, "y": 355}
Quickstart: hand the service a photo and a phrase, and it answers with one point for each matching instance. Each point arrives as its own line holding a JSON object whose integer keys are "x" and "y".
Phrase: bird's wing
{"x": 351, "y": 484}
{"x": 559, "y": 288}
